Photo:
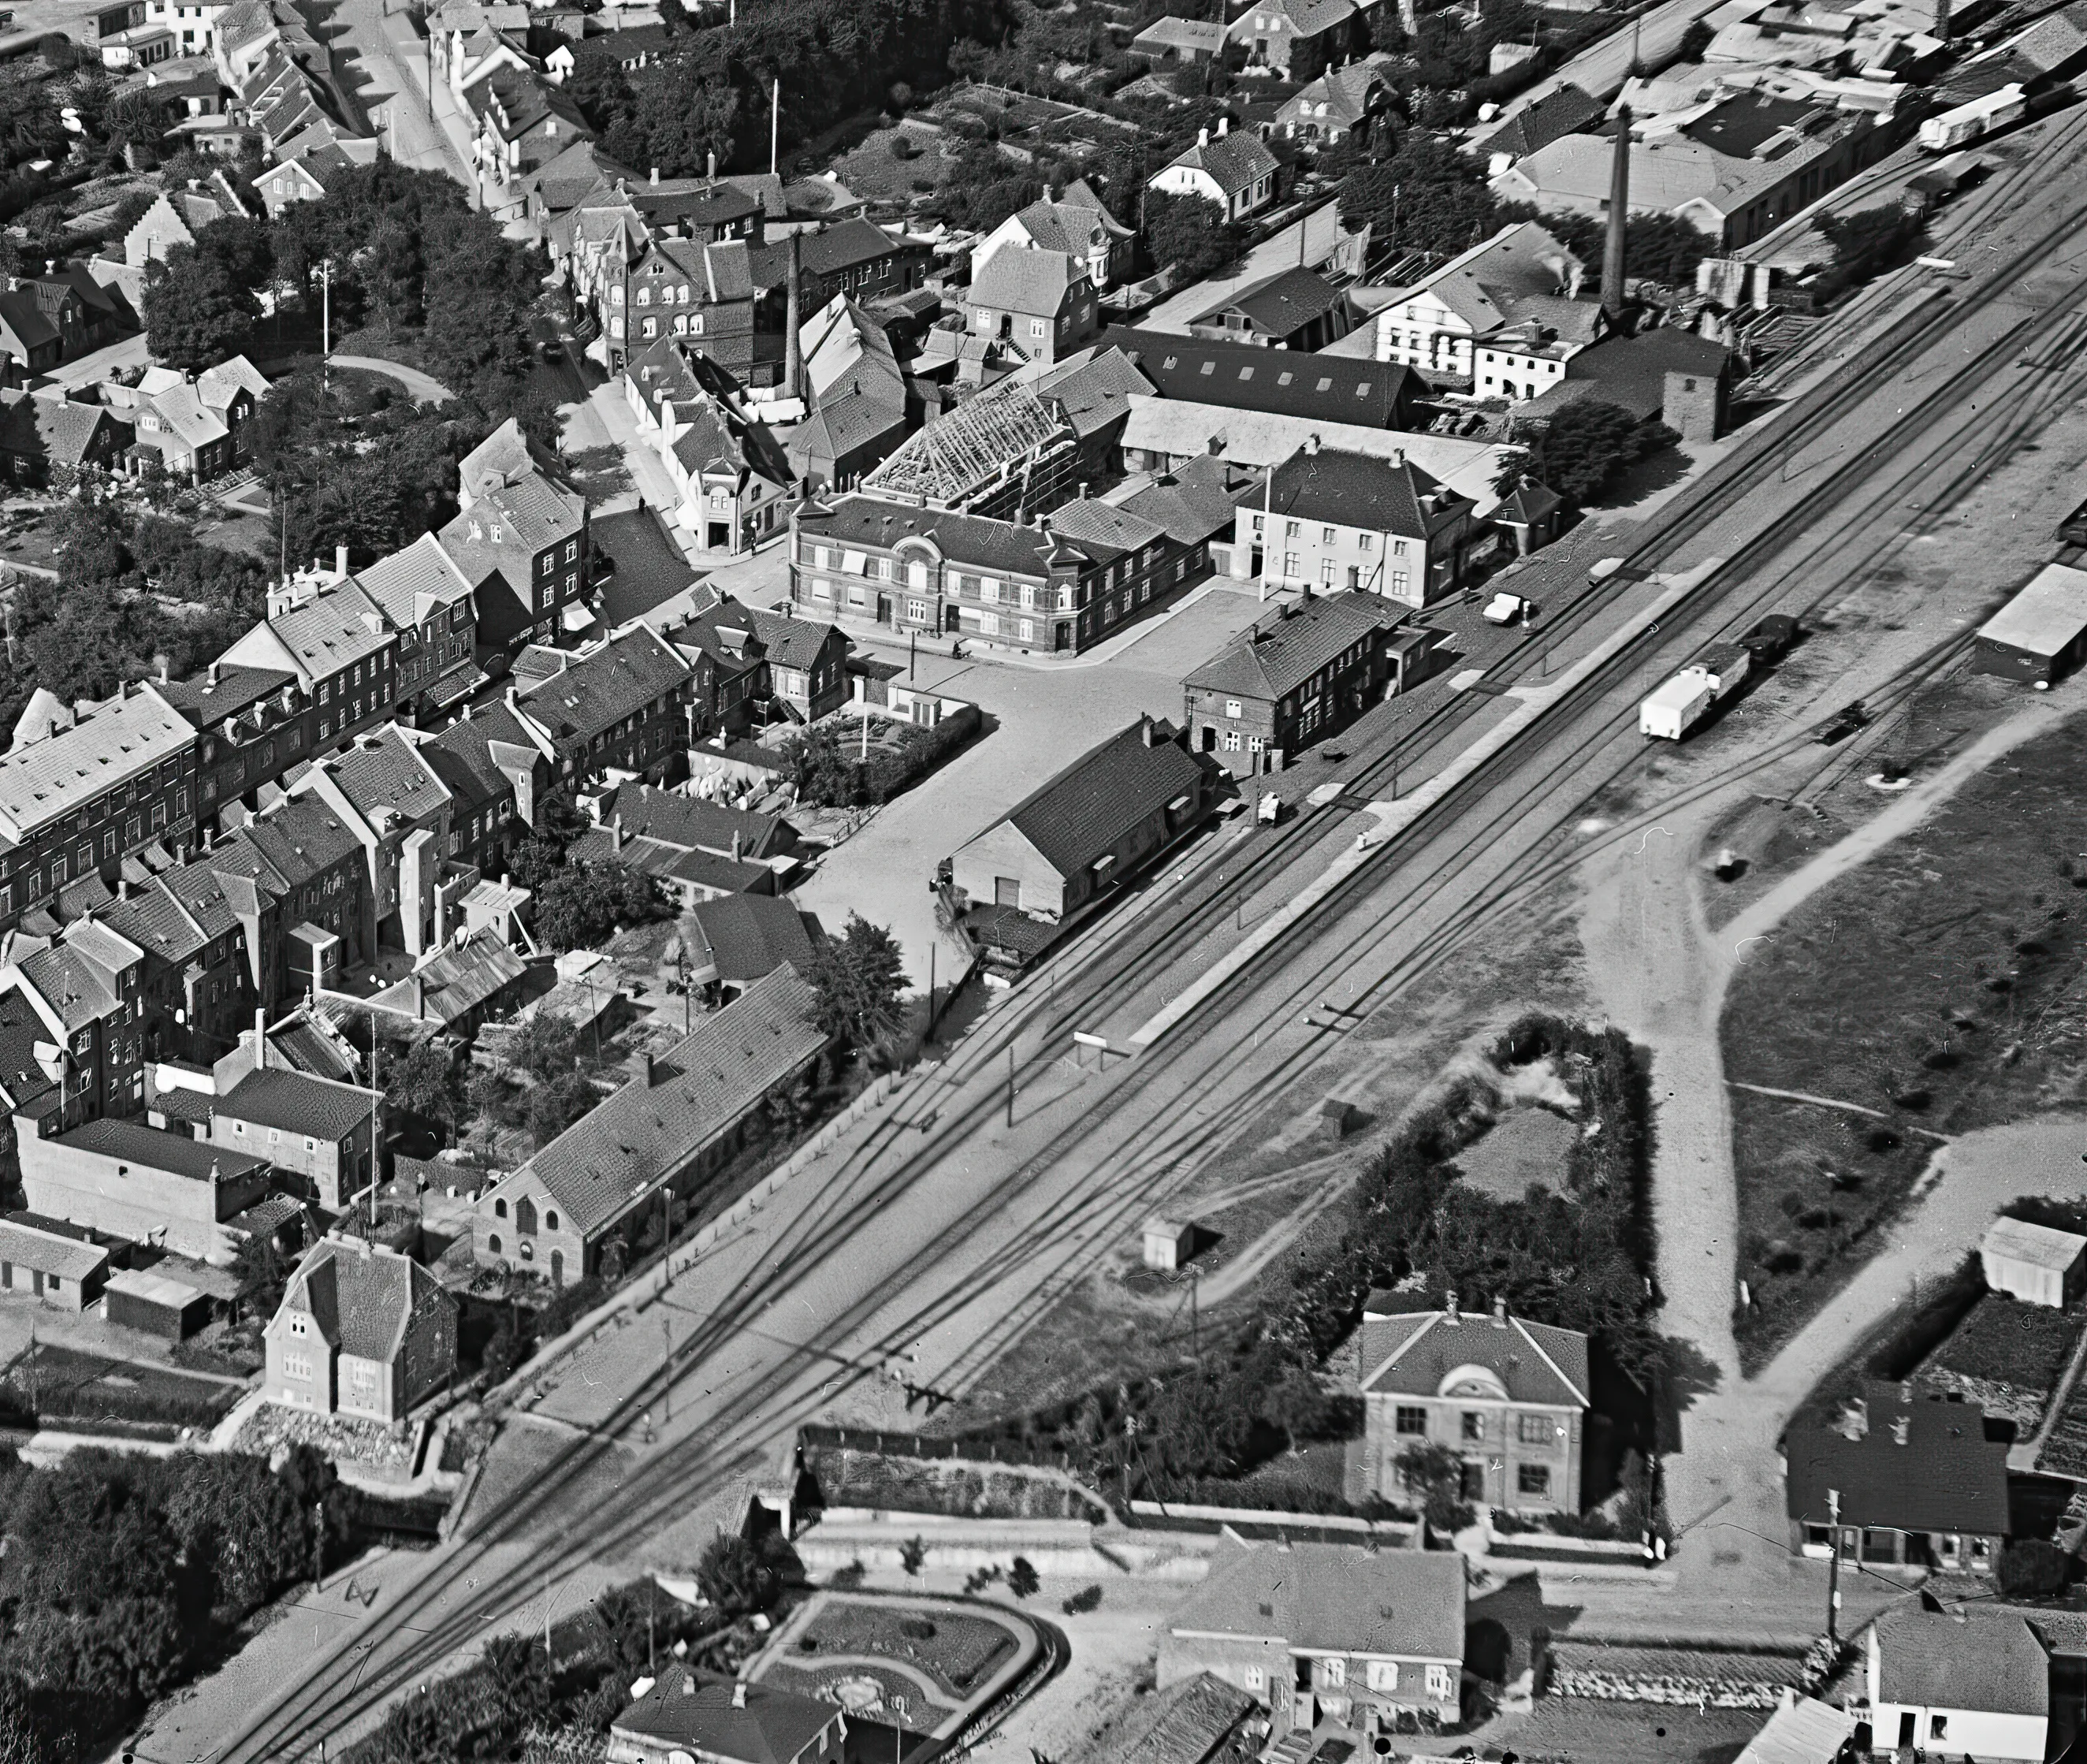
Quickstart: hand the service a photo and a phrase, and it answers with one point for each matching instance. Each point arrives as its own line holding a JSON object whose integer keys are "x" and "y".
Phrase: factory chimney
{"x": 1612, "y": 249}
{"x": 793, "y": 353}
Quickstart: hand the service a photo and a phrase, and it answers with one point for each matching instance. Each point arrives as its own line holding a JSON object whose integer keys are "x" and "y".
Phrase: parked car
{"x": 1505, "y": 608}
{"x": 1770, "y": 640}
{"x": 1270, "y": 809}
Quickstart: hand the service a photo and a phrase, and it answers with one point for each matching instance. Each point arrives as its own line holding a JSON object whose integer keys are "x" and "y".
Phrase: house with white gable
{"x": 1236, "y": 172}
{"x": 1962, "y": 1682}
{"x": 1073, "y": 221}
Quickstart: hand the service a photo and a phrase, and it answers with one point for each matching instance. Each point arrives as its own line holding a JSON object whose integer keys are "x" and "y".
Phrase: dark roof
{"x": 1184, "y": 1723}
{"x": 237, "y": 688}
{"x": 463, "y": 759}
{"x": 1240, "y": 376}
{"x": 1567, "y": 110}
{"x": 1360, "y": 489}
{"x": 1922, "y": 1465}
{"x": 647, "y": 566}
{"x": 750, "y": 935}
{"x": 1195, "y": 503}
{"x": 1967, "y": 1658}
{"x": 297, "y": 1103}
{"x": 1747, "y": 121}
{"x": 362, "y": 1297}
{"x": 716, "y": 1718}
{"x": 693, "y": 823}
{"x": 597, "y": 691}
{"x": 1085, "y": 811}
{"x": 156, "y": 1149}
{"x": 1285, "y": 302}
{"x": 1276, "y": 655}
{"x": 20, "y": 1029}
{"x": 845, "y": 245}
{"x": 971, "y": 541}
{"x": 1631, "y": 372}
{"x": 1404, "y": 1602}
{"x": 1414, "y": 1353}
{"x": 621, "y": 1150}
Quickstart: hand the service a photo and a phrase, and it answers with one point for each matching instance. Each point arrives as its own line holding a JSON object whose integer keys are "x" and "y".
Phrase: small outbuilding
{"x": 66, "y": 1272}
{"x": 156, "y": 1304}
{"x": 1168, "y": 1244}
{"x": 2037, "y": 1264}
{"x": 2041, "y": 634}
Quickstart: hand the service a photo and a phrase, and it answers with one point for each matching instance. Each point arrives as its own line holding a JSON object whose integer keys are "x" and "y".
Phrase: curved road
{"x": 424, "y": 387}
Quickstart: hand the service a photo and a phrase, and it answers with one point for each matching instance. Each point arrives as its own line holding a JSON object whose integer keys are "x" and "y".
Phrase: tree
{"x": 555, "y": 1105}
{"x": 742, "y": 1577}
{"x": 548, "y": 1047}
{"x": 1426, "y": 196}
{"x": 196, "y": 314}
{"x": 1657, "y": 248}
{"x": 1588, "y": 445}
{"x": 1022, "y": 1579}
{"x": 1695, "y": 40}
{"x": 860, "y": 979}
{"x": 2032, "y": 1568}
{"x": 579, "y": 905}
{"x": 1434, "y": 1475}
{"x": 422, "y": 1080}
{"x": 1866, "y": 242}
{"x": 1189, "y": 234}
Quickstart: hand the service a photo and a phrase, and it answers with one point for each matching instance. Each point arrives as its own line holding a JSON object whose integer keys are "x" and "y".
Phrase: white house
{"x": 1504, "y": 318}
{"x": 1074, "y": 222}
{"x": 1236, "y": 172}
{"x": 2037, "y": 1263}
{"x": 1967, "y": 1682}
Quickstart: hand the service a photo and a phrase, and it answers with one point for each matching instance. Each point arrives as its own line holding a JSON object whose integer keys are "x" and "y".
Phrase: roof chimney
{"x": 340, "y": 563}
{"x": 1224, "y": 127}
{"x": 616, "y": 832}
{"x": 1202, "y": 138}
{"x": 1311, "y": 443}
{"x": 1149, "y": 732}
{"x": 655, "y": 174}
{"x": 260, "y": 1037}
{"x": 710, "y": 169}
{"x": 739, "y": 1694}
{"x": 651, "y": 1069}
{"x": 420, "y": 998}
{"x": 1500, "y": 1310}
{"x": 1449, "y": 1313}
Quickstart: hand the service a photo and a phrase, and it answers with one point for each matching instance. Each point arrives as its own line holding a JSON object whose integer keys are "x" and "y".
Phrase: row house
{"x": 1066, "y": 584}
{"x": 736, "y": 481}
{"x": 665, "y": 287}
{"x": 1330, "y": 518}
{"x": 319, "y": 919}
{"x": 82, "y": 787}
{"x": 522, "y": 545}
{"x": 498, "y": 767}
{"x": 324, "y": 629}
{"x": 519, "y": 124}
{"x": 855, "y": 257}
{"x": 429, "y": 602}
{"x": 621, "y": 706}
{"x": 203, "y": 934}
{"x": 753, "y": 665}
{"x": 252, "y": 724}
{"x": 85, "y": 988}
{"x": 395, "y": 804}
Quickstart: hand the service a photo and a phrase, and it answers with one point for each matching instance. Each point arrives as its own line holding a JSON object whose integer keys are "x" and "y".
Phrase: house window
{"x": 1383, "y": 1675}
{"x": 1439, "y": 1682}
{"x": 1326, "y": 572}
{"x": 1332, "y": 1674}
{"x": 1232, "y": 740}
{"x": 1399, "y": 581}
{"x": 296, "y": 1365}
{"x": 550, "y": 1221}
{"x": 1289, "y": 564}
{"x": 1938, "y": 1727}
{"x": 1412, "y": 1418}
{"x": 500, "y": 1208}
{"x": 1533, "y": 1479}
{"x": 1982, "y": 1552}
{"x": 1037, "y": 328}
{"x": 1253, "y": 1678}
{"x": 1475, "y": 1424}
{"x": 1537, "y": 1429}
{"x": 492, "y": 1244}
{"x": 1232, "y": 707}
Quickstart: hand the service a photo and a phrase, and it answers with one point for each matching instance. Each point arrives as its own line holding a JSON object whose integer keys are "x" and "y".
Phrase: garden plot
{"x": 2008, "y": 1358}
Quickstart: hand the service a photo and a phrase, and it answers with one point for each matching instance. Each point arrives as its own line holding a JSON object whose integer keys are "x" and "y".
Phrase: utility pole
{"x": 1833, "y": 1569}
{"x": 1010, "y": 1089}
{"x": 319, "y": 1545}
{"x": 774, "y": 121}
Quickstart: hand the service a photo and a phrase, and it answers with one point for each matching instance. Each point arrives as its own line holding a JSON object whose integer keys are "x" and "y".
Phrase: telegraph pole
{"x": 1833, "y": 1570}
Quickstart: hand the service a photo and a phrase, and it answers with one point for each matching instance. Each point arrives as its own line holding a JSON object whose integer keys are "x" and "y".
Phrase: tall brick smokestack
{"x": 793, "y": 353}
{"x": 1612, "y": 249}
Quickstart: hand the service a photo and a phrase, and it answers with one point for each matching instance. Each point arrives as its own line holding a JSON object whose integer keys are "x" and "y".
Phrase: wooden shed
{"x": 2042, "y": 633}
{"x": 2037, "y": 1263}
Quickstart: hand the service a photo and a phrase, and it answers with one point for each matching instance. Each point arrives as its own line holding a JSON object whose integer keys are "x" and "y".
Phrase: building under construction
{"x": 1010, "y": 451}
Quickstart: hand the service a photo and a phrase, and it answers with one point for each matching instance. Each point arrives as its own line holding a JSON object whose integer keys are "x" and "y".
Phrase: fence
{"x": 1341, "y": 1526}
{"x": 925, "y": 1446}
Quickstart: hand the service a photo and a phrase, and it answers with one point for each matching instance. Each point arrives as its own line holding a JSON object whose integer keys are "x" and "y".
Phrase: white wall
{"x": 1972, "y": 1732}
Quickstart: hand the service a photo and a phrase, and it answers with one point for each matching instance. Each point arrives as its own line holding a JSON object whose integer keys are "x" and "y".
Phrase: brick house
{"x": 430, "y": 604}
{"x": 1289, "y": 680}
{"x": 646, "y": 288}
{"x": 146, "y": 1184}
{"x": 602, "y": 1180}
{"x": 855, "y": 257}
{"x": 81, "y": 789}
{"x": 736, "y": 481}
{"x": 1032, "y": 305}
{"x": 1335, "y": 519}
{"x": 521, "y": 542}
{"x": 252, "y": 724}
{"x": 361, "y": 1331}
{"x": 1066, "y": 583}
{"x": 323, "y": 628}
{"x": 1083, "y": 831}
{"x": 621, "y": 704}
{"x": 1370, "y": 1641}
{"x": 85, "y": 988}
{"x": 317, "y": 1130}
{"x": 1508, "y": 1397}
{"x": 45, "y": 443}
{"x": 306, "y": 873}
{"x": 1920, "y": 1485}
{"x": 1299, "y": 39}
{"x": 498, "y": 767}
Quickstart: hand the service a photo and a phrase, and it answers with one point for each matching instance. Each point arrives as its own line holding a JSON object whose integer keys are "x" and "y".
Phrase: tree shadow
{"x": 599, "y": 473}
{"x": 1685, "y": 1372}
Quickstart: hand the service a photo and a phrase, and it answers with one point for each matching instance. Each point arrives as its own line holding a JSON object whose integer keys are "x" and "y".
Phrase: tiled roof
{"x": 1284, "y": 302}
{"x": 456, "y": 980}
{"x": 153, "y": 1148}
{"x": 508, "y": 524}
{"x": 78, "y": 991}
{"x": 620, "y": 1150}
{"x": 414, "y": 581}
{"x": 1084, "y": 810}
{"x": 712, "y": 1717}
{"x": 694, "y": 824}
{"x": 1184, "y": 1723}
{"x": 1408, "y": 1604}
{"x": 360, "y": 1295}
{"x": 845, "y": 245}
{"x": 1275, "y": 655}
{"x": 463, "y": 758}
{"x": 40, "y": 780}
{"x": 1332, "y": 388}
{"x": 1356, "y": 490}
{"x": 972, "y": 541}
{"x": 595, "y": 691}
{"x": 48, "y": 1252}
{"x": 794, "y": 643}
{"x": 339, "y": 626}
{"x": 295, "y": 842}
{"x": 1966, "y": 1658}
{"x": 1488, "y": 285}
{"x": 1921, "y": 1466}
{"x": 1093, "y": 388}
{"x": 383, "y": 773}
{"x": 1194, "y": 504}
{"x": 1019, "y": 280}
{"x": 297, "y": 1103}
{"x": 750, "y": 935}
{"x": 1412, "y": 1353}
{"x": 1106, "y": 527}
{"x": 1631, "y": 372}
{"x": 1565, "y": 110}
{"x": 21, "y": 1077}
{"x": 1237, "y": 161}
{"x": 719, "y": 269}
{"x": 56, "y": 430}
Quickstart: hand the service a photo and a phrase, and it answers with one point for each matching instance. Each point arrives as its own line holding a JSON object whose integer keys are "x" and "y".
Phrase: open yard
{"x": 957, "y": 1652}
{"x": 2008, "y": 1358}
{"x": 65, "y": 1388}
{"x": 1936, "y": 989}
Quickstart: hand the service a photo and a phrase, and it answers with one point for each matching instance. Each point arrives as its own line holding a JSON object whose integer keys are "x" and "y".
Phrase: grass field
{"x": 1941, "y": 984}
{"x": 62, "y": 1386}
{"x": 958, "y": 1653}
{"x": 2007, "y": 1357}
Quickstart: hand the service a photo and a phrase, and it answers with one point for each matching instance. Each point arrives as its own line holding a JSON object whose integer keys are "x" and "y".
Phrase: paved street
{"x": 392, "y": 84}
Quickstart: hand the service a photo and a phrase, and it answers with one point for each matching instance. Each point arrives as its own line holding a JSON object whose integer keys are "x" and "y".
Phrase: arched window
{"x": 550, "y": 1221}
{"x": 500, "y": 1208}
{"x": 557, "y": 1267}
{"x": 525, "y": 1216}
{"x": 492, "y": 1243}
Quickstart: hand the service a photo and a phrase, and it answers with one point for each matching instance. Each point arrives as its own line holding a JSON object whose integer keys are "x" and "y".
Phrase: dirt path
{"x": 1663, "y": 975}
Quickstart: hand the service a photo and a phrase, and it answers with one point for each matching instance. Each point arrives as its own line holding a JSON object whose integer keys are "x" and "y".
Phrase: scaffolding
{"x": 1004, "y": 449}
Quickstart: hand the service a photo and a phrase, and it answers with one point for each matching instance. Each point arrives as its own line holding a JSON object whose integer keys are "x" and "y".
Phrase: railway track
{"x": 451, "y": 1606}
